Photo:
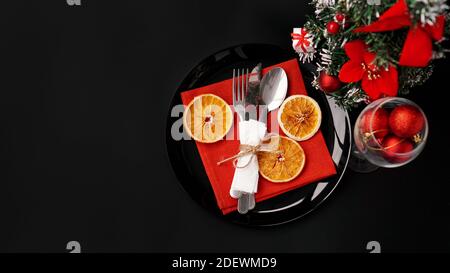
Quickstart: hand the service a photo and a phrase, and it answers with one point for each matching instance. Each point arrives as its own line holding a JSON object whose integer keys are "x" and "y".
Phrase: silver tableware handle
{"x": 243, "y": 203}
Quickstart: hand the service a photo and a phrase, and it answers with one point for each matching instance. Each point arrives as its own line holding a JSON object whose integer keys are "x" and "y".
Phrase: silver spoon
{"x": 273, "y": 90}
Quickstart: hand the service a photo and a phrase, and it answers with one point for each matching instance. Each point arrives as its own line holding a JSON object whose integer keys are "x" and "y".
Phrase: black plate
{"x": 289, "y": 206}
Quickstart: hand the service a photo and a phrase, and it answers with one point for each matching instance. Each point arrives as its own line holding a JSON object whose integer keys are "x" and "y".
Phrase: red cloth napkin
{"x": 318, "y": 165}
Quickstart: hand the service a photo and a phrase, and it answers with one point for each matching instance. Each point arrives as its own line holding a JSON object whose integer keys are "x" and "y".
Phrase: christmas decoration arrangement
{"x": 368, "y": 49}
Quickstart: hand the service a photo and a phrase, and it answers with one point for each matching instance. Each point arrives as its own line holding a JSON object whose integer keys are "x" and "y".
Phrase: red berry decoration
{"x": 406, "y": 121}
{"x": 328, "y": 83}
{"x": 394, "y": 148}
{"x": 339, "y": 17}
{"x": 346, "y": 25}
{"x": 333, "y": 27}
{"x": 380, "y": 123}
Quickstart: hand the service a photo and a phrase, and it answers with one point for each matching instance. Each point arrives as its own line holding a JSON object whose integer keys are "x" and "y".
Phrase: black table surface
{"x": 83, "y": 102}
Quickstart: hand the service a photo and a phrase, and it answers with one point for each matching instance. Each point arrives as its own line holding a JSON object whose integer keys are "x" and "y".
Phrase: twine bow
{"x": 268, "y": 144}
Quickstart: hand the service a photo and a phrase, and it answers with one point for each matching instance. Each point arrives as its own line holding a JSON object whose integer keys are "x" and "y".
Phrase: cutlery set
{"x": 250, "y": 92}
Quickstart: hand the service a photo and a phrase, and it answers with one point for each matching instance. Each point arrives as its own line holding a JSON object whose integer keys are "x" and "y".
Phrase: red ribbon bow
{"x": 303, "y": 41}
{"x": 418, "y": 48}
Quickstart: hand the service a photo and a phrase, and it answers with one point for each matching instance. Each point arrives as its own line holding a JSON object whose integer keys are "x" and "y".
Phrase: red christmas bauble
{"x": 332, "y": 27}
{"x": 394, "y": 148}
{"x": 406, "y": 121}
{"x": 379, "y": 120}
{"x": 328, "y": 83}
{"x": 339, "y": 17}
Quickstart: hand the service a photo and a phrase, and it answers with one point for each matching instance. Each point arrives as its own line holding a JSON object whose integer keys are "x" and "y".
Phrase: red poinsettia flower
{"x": 376, "y": 81}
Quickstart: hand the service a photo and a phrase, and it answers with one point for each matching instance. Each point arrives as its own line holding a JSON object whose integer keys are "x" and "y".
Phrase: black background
{"x": 84, "y": 94}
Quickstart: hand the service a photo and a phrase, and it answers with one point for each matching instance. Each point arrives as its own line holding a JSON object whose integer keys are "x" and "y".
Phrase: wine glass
{"x": 389, "y": 132}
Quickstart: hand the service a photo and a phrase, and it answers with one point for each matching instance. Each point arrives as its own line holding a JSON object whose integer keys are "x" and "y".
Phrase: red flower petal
{"x": 386, "y": 85}
{"x": 373, "y": 88}
{"x": 351, "y": 71}
{"x": 355, "y": 50}
{"x": 369, "y": 57}
{"x": 390, "y": 79}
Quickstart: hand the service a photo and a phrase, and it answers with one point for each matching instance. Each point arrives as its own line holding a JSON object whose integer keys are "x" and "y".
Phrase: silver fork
{"x": 240, "y": 87}
{"x": 239, "y": 91}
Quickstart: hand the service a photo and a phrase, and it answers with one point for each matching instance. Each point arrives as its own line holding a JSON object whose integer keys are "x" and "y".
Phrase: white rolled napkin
{"x": 245, "y": 179}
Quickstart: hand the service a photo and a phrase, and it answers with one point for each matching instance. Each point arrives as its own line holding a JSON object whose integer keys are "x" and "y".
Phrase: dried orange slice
{"x": 207, "y": 118}
{"x": 299, "y": 117}
{"x": 285, "y": 165}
